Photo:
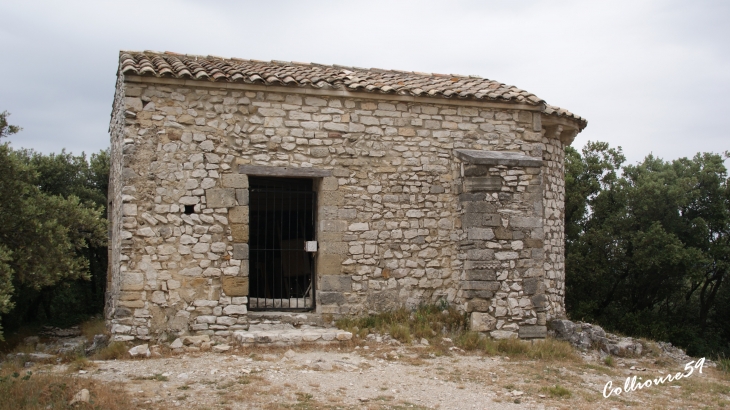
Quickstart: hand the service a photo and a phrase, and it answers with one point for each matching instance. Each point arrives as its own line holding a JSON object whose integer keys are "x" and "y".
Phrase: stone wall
{"x": 503, "y": 279}
{"x": 390, "y": 216}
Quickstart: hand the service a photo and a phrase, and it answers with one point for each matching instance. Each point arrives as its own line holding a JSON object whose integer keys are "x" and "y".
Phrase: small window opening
{"x": 189, "y": 209}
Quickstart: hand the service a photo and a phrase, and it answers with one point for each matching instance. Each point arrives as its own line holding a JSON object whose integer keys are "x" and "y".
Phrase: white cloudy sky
{"x": 650, "y": 76}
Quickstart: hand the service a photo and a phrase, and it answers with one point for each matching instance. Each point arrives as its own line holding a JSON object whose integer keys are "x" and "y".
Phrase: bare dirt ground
{"x": 378, "y": 376}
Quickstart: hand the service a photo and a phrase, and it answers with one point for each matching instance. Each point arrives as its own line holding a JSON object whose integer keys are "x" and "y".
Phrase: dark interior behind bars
{"x": 282, "y": 212}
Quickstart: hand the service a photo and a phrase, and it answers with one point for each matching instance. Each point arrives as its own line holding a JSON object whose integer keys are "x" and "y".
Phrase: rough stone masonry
{"x": 428, "y": 187}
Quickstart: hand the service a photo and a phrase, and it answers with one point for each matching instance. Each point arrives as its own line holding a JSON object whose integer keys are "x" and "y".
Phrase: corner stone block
{"x": 132, "y": 281}
{"x": 533, "y": 332}
{"x": 220, "y": 197}
{"x": 234, "y": 286}
{"x": 234, "y": 181}
{"x": 333, "y": 225}
{"x": 336, "y": 283}
{"x": 330, "y": 298}
{"x": 329, "y": 184}
{"x": 239, "y": 232}
{"x": 242, "y": 197}
{"x": 482, "y": 322}
{"x": 240, "y": 251}
{"x": 238, "y": 215}
{"x": 329, "y": 264}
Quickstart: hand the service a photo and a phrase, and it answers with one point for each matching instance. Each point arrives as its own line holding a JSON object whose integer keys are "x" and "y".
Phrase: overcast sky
{"x": 649, "y": 76}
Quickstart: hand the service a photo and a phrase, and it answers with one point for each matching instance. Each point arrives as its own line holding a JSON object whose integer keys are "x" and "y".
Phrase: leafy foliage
{"x": 52, "y": 227}
{"x": 648, "y": 251}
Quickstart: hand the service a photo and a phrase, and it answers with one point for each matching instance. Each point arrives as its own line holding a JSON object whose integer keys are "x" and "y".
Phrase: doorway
{"x": 282, "y": 219}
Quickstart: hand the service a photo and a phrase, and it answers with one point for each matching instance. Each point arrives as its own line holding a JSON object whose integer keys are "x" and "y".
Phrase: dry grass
{"x": 113, "y": 351}
{"x": 433, "y": 322}
{"x": 21, "y": 389}
{"x": 427, "y": 322}
{"x": 92, "y": 327}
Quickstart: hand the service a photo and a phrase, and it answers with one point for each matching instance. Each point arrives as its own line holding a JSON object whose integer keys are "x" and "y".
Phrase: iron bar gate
{"x": 282, "y": 212}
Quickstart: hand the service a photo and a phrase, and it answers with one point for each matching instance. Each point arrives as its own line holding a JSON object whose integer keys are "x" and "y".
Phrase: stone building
{"x": 243, "y": 185}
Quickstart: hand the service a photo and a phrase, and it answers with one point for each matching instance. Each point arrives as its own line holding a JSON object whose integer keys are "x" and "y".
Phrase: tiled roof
{"x": 285, "y": 73}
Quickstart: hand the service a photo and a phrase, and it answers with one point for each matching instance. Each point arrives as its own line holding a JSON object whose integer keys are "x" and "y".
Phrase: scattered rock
{"x": 140, "y": 351}
{"x": 289, "y": 354}
{"x": 586, "y": 336}
{"x": 99, "y": 342}
{"x": 39, "y": 357}
{"x": 50, "y": 331}
{"x": 81, "y": 397}
{"x": 221, "y": 348}
{"x": 195, "y": 340}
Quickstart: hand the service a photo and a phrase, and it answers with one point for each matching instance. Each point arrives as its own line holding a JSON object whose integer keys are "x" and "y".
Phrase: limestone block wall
{"x": 503, "y": 279}
{"x": 390, "y": 217}
{"x": 554, "y": 222}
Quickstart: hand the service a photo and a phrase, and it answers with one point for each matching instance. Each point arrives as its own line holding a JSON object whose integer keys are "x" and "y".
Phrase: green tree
{"x": 647, "y": 251}
{"x": 44, "y": 236}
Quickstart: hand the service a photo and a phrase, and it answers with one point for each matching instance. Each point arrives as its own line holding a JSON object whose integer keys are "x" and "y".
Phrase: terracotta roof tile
{"x": 296, "y": 74}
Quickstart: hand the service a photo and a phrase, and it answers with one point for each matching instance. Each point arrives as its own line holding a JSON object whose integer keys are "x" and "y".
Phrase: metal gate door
{"x": 281, "y": 221}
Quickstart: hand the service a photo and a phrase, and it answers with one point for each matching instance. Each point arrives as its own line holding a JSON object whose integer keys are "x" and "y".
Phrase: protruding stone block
{"x": 220, "y": 197}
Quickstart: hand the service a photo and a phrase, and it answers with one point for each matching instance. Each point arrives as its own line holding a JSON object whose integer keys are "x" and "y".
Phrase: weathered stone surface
{"x": 330, "y": 264}
{"x": 220, "y": 197}
{"x": 140, "y": 351}
{"x": 242, "y": 196}
{"x": 341, "y": 283}
{"x": 238, "y": 215}
{"x": 234, "y": 181}
{"x": 482, "y": 322}
{"x": 234, "y": 285}
{"x": 479, "y": 184}
{"x": 330, "y": 298}
{"x": 132, "y": 281}
{"x": 239, "y": 232}
{"x": 397, "y": 222}
{"x": 240, "y": 251}
{"x": 532, "y": 332}
{"x": 498, "y": 158}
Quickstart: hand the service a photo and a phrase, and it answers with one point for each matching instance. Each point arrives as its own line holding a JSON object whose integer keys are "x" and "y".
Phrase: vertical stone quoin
{"x": 420, "y": 198}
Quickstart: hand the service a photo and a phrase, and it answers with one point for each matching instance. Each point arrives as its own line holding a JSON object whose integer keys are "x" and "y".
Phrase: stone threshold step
{"x": 294, "y": 318}
{"x": 278, "y": 334}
